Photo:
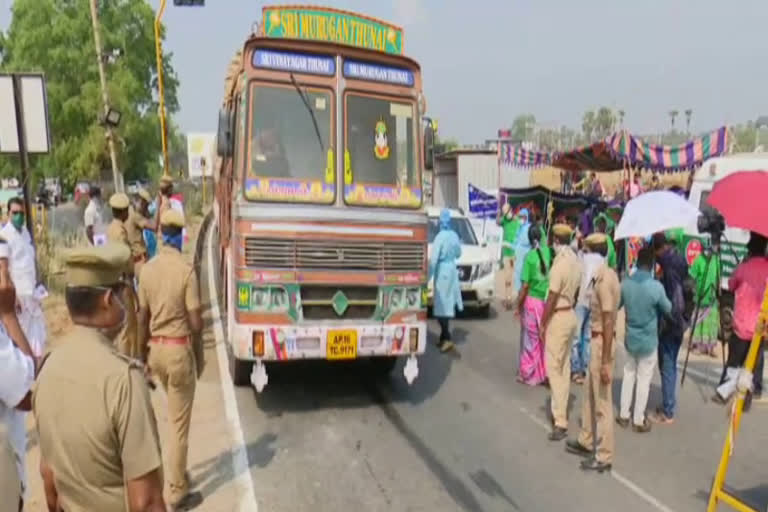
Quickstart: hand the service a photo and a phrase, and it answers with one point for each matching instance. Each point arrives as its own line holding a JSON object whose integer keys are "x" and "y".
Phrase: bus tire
{"x": 240, "y": 371}
{"x": 383, "y": 366}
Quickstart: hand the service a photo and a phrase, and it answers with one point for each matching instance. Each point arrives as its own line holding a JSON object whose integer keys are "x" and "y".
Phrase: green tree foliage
{"x": 605, "y": 122}
{"x": 523, "y": 127}
{"x": 55, "y": 37}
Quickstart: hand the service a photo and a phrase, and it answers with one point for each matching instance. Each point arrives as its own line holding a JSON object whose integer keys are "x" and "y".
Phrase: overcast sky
{"x": 486, "y": 61}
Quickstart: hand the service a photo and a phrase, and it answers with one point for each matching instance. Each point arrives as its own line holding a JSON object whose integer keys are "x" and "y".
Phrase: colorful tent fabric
{"x": 622, "y": 150}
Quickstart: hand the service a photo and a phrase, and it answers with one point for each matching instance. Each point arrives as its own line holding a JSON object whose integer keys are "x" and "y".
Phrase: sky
{"x": 485, "y": 62}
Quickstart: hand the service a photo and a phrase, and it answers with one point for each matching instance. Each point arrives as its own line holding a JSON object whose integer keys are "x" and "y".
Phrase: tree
{"x": 688, "y": 115}
{"x": 523, "y": 126}
{"x": 672, "y": 115}
{"x": 604, "y": 122}
{"x": 621, "y": 119}
{"x": 67, "y": 57}
{"x": 588, "y": 125}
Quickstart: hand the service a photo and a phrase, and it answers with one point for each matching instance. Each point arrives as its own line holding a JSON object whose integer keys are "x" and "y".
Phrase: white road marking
{"x": 626, "y": 482}
{"x": 240, "y": 465}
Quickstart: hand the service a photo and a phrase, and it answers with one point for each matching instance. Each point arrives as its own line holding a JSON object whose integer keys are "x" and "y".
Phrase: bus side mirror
{"x": 224, "y": 139}
{"x": 429, "y": 147}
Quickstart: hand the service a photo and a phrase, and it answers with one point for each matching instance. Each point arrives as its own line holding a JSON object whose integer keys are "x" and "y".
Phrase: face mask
{"x": 112, "y": 332}
{"x": 17, "y": 219}
{"x": 173, "y": 240}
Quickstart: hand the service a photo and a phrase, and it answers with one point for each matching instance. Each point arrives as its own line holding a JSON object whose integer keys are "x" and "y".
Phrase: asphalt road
{"x": 467, "y": 437}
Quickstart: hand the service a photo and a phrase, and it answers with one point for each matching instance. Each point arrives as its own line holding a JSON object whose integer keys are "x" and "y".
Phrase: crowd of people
{"x": 137, "y": 322}
{"x": 590, "y": 185}
{"x": 564, "y": 286}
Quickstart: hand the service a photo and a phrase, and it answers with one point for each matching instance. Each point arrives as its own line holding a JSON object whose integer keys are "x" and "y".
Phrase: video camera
{"x": 710, "y": 221}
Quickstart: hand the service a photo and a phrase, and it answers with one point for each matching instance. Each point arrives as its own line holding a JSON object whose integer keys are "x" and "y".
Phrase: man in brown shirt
{"x": 97, "y": 431}
{"x": 559, "y": 324}
{"x": 166, "y": 191}
{"x": 117, "y": 233}
{"x": 597, "y": 404}
{"x": 169, "y": 320}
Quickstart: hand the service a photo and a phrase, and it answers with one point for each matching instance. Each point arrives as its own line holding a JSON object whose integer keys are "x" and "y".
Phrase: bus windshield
{"x": 287, "y": 161}
{"x": 380, "y": 158}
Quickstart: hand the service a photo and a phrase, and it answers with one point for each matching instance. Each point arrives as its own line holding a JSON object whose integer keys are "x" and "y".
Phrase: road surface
{"x": 467, "y": 437}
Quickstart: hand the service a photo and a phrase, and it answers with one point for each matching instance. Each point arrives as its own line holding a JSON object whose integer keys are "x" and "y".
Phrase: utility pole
{"x": 117, "y": 176}
{"x": 160, "y": 91}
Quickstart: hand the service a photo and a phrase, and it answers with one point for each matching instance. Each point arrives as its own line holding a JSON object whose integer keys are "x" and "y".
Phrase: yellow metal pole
{"x": 203, "y": 170}
{"x": 717, "y": 493}
{"x": 161, "y": 113}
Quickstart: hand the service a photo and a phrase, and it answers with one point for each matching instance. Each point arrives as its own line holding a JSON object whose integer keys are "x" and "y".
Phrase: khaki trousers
{"x": 174, "y": 367}
{"x": 560, "y": 332}
{"x": 603, "y": 403}
{"x": 127, "y": 340}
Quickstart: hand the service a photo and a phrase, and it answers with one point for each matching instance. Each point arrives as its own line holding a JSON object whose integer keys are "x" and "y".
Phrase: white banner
{"x": 201, "y": 151}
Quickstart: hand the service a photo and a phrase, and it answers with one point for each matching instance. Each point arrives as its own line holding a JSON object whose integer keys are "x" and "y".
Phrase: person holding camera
{"x": 747, "y": 283}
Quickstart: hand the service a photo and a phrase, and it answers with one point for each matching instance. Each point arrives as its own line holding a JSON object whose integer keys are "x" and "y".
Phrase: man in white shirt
{"x": 17, "y": 373}
{"x": 22, "y": 265}
{"x": 93, "y": 218}
{"x": 590, "y": 261}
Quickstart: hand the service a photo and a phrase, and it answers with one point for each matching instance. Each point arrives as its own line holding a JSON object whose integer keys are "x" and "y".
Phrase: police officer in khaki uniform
{"x": 166, "y": 191}
{"x": 170, "y": 320}
{"x": 138, "y": 221}
{"x": 597, "y": 404}
{"x": 97, "y": 432}
{"x": 559, "y": 326}
{"x": 117, "y": 232}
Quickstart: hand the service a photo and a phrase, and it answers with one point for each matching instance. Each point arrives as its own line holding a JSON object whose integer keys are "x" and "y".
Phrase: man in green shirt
{"x": 510, "y": 225}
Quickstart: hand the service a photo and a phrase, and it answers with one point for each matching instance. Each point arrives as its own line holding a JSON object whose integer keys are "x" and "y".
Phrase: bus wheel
{"x": 240, "y": 371}
{"x": 383, "y": 366}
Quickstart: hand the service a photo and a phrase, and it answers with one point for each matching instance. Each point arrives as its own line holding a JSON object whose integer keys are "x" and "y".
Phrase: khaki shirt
{"x": 117, "y": 233}
{"x": 10, "y": 485}
{"x": 95, "y": 422}
{"x": 168, "y": 289}
{"x": 165, "y": 204}
{"x": 134, "y": 230}
{"x": 606, "y": 295}
{"x": 565, "y": 278}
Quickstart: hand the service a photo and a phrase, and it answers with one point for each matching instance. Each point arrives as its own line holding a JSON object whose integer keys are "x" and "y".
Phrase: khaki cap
{"x": 596, "y": 239}
{"x": 166, "y": 179}
{"x": 562, "y": 230}
{"x": 96, "y": 266}
{"x": 172, "y": 218}
{"x": 145, "y": 195}
{"x": 119, "y": 201}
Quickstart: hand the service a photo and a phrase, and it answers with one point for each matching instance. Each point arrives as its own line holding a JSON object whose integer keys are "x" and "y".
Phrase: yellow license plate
{"x": 341, "y": 345}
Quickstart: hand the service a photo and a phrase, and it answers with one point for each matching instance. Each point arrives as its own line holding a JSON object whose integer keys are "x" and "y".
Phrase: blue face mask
{"x": 173, "y": 240}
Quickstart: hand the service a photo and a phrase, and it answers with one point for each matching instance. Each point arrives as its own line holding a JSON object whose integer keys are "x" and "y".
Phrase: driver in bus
{"x": 269, "y": 152}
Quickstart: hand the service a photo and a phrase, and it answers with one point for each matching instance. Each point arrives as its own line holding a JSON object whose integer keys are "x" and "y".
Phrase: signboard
{"x": 34, "y": 105}
{"x": 332, "y": 26}
{"x": 377, "y": 73}
{"x": 482, "y": 204}
{"x": 201, "y": 154}
{"x": 296, "y": 62}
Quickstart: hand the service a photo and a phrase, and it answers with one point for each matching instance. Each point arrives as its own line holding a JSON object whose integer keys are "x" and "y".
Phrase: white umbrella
{"x": 655, "y": 211}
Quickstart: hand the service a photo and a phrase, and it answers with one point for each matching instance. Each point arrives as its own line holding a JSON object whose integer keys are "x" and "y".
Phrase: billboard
{"x": 201, "y": 152}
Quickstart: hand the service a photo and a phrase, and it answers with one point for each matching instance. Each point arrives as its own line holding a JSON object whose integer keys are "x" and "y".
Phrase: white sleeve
{"x": 88, "y": 217}
{"x": 5, "y": 251}
{"x": 17, "y": 373}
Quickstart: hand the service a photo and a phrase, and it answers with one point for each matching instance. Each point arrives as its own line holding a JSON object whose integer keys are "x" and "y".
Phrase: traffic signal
{"x": 189, "y": 3}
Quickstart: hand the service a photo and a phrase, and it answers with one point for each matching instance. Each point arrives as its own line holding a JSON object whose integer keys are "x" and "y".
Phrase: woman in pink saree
{"x": 530, "y": 306}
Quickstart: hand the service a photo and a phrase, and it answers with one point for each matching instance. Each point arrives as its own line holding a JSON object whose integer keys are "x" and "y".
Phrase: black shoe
{"x": 622, "y": 422}
{"x": 188, "y": 502}
{"x": 718, "y": 399}
{"x": 595, "y": 465}
{"x": 644, "y": 428}
{"x": 558, "y": 434}
{"x": 576, "y": 448}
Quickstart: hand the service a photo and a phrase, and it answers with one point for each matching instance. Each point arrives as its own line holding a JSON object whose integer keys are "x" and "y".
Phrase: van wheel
{"x": 240, "y": 371}
{"x": 484, "y": 311}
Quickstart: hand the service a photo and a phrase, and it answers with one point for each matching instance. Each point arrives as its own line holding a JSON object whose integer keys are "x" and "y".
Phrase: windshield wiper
{"x": 304, "y": 99}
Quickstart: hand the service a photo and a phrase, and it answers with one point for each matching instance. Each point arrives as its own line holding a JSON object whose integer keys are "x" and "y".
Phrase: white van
{"x": 477, "y": 265}
{"x": 704, "y": 179}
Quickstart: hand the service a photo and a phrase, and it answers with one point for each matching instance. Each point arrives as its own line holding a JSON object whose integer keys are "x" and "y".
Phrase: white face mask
{"x": 112, "y": 332}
